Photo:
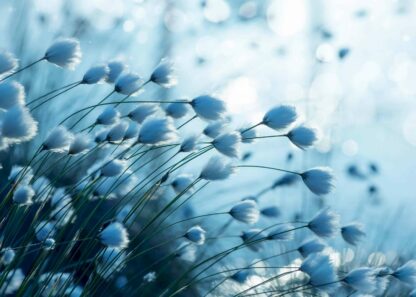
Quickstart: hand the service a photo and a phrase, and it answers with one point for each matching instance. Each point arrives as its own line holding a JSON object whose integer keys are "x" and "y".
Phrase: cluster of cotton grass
{"x": 54, "y": 245}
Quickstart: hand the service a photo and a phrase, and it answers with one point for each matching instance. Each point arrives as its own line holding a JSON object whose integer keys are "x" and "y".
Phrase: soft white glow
{"x": 287, "y": 18}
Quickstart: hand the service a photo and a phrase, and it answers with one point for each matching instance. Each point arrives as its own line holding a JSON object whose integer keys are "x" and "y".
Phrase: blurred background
{"x": 348, "y": 66}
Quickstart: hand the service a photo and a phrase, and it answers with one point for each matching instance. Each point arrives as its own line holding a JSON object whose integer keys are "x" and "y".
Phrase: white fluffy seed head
{"x": 128, "y": 84}
{"x": 65, "y": 53}
{"x": 18, "y": 125}
{"x": 45, "y": 230}
{"x": 281, "y": 232}
{"x": 248, "y": 135}
{"x": 270, "y": 212}
{"x": 101, "y": 135}
{"x": 132, "y": 131}
{"x": 113, "y": 168}
{"x": 321, "y": 272}
{"x": 96, "y": 74}
{"x": 311, "y": 246}
{"x": 407, "y": 273}
{"x": 182, "y": 182}
{"x": 8, "y": 63}
{"x": 253, "y": 238}
{"x": 80, "y": 144}
{"x": 228, "y": 144}
{"x": 163, "y": 74}
{"x": 320, "y": 180}
{"x": 303, "y": 136}
{"x": 214, "y": 129}
{"x": 280, "y": 117}
{"x": 325, "y": 223}
{"x": 196, "y": 234}
{"x": 189, "y": 144}
{"x": 177, "y": 110}
{"x": 245, "y": 211}
{"x": 157, "y": 131}
{"x": 12, "y": 93}
{"x": 8, "y": 255}
{"x": 353, "y": 233}
{"x": 109, "y": 116}
{"x": 23, "y": 195}
{"x": 143, "y": 111}
{"x": 217, "y": 169}
{"x": 115, "y": 235}
{"x": 361, "y": 279}
{"x": 186, "y": 252}
{"x": 21, "y": 175}
{"x": 117, "y": 132}
{"x": 209, "y": 108}
{"x": 115, "y": 68}
{"x": 58, "y": 140}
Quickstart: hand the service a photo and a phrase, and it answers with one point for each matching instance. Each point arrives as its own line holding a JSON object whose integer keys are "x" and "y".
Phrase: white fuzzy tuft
{"x": 361, "y": 279}
{"x": 248, "y": 135}
{"x": 115, "y": 235}
{"x": 214, "y": 129}
{"x": 115, "y": 68}
{"x": 353, "y": 233}
{"x": 96, "y": 74}
{"x": 280, "y": 117}
{"x": 81, "y": 143}
{"x": 196, "y": 234}
{"x": 143, "y": 111}
{"x": 157, "y": 131}
{"x": 163, "y": 74}
{"x": 311, "y": 246}
{"x": 186, "y": 252}
{"x": 45, "y": 230}
{"x": 407, "y": 273}
{"x": 8, "y": 255}
{"x": 176, "y": 110}
{"x": 245, "y": 211}
{"x": 303, "y": 137}
{"x": 128, "y": 84}
{"x": 209, "y": 108}
{"x": 58, "y": 140}
{"x": 109, "y": 116}
{"x": 117, "y": 132}
{"x": 325, "y": 223}
{"x": 113, "y": 168}
{"x": 11, "y": 94}
{"x": 132, "y": 131}
{"x": 319, "y": 180}
{"x": 189, "y": 144}
{"x": 182, "y": 182}
{"x": 281, "y": 232}
{"x": 23, "y": 195}
{"x": 18, "y": 125}
{"x": 321, "y": 272}
{"x": 65, "y": 53}
{"x": 217, "y": 169}
{"x": 8, "y": 63}
{"x": 228, "y": 144}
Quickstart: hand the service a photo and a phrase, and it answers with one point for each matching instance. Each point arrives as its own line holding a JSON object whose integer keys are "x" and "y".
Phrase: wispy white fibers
{"x": 248, "y": 135}
{"x": 113, "y": 168}
{"x": 109, "y": 116}
{"x": 117, "y": 132}
{"x": 189, "y": 144}
{"x": 115, "y": 235}
{"x": 8, "y": 63}
{"x": 311, "y": 246}
{"x": 157, "y": 131}
{"x": 58, "y": 140}
{"x": 128, "y": 84}
{"x": 246, "y": 212}
{"x": 150, "y": 277}
{"x": 81, "y": 143}
{"x": 101, "y": 135}
{"x": 182, "y": 182}
{"x": 217, "y": 169}
{"x": 45, "y": 230}
{"x": 325, "y": 223}
{"x": 228, "y": 144}
{"x": 13, "y": 281}
{"x": 65, "y": 52}
{"x": 209, "y": 108}
{"x": 353, "y": 233}
{"x": 214, "y": 129}
{"x": 96, "y": 74}
{"x": 186, "y": 252}
{"x": 406, "y": 273}
{"x": 110, "y": 261}
{"x": 163, "y": 74}
{"x": 303, "y": 136}
{"x": 321, "y": 272}
{"x": 176, "y": 110}
{"x": 253, "y": 238}
{"x": 18, "y": 125}
{"x": 132, "y": 131}
{"x": 196, "y": 234}
{"x": 140, "y": 113}
{"x": 23, "y": 195}
{"x": 362, "y": 279}
{"x": 281, "y": 232}
{"x": 7, "y": 256}
{"x": 280, "y": 117}
{"x": 12, "y": 93}
{"x": 320, "y": 180}
{"x": 115, "y": 68}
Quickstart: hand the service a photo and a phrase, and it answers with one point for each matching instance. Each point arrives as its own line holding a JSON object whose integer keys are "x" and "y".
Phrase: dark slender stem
{"x": 267, "y": 167}
{"x": 21, "y": 69}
